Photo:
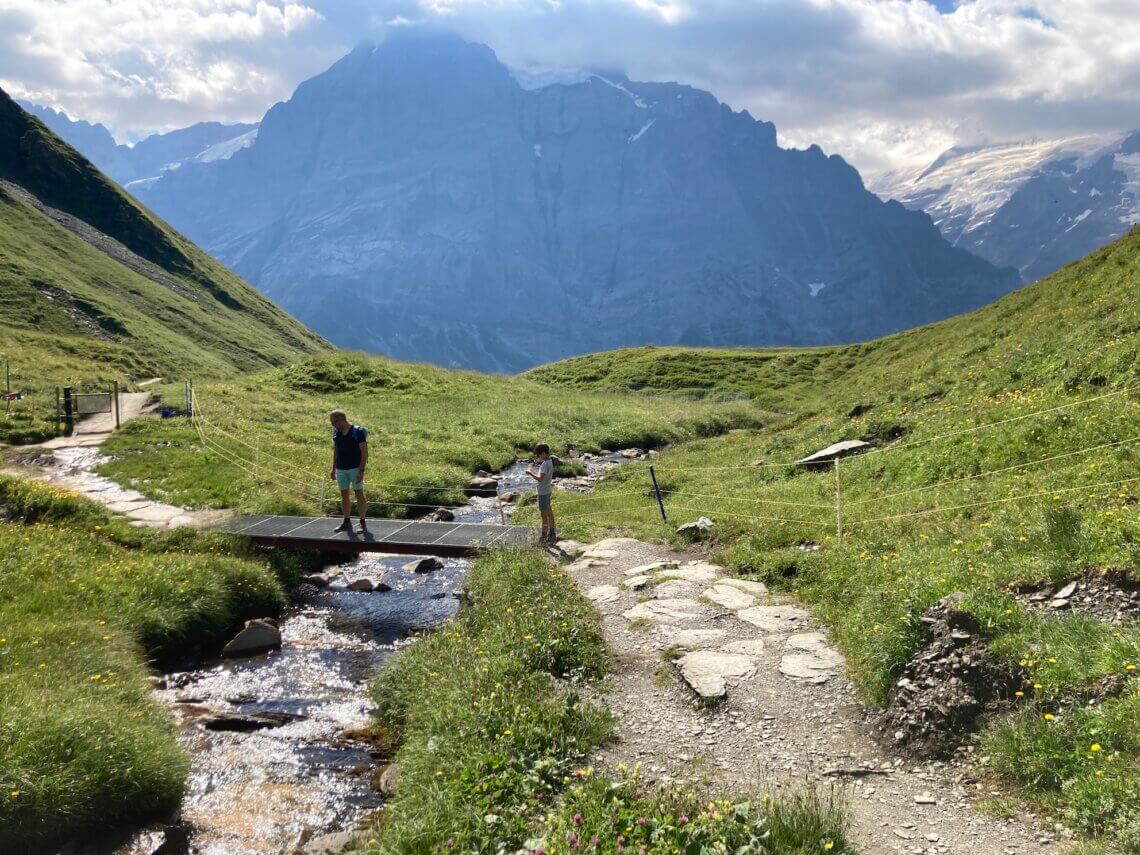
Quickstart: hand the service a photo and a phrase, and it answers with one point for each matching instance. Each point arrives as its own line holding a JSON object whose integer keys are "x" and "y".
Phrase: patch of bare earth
{"x": 719, "y": 680}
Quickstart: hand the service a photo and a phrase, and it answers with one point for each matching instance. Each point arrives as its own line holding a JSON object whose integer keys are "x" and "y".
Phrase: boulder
{"x": 482, "y": 485}
{"x": 423, "y": 565}
{"x": 246, "y": 722}
{"x": 632, "y": 453}
{"x": 330, "y": 844}
{"x": 440, "y": 515}
{"x": 258, "y": 636}
{"x": 389, "y": 779}
{"x": 695, "y": 529}
{"x": 509, "y": 497}
{"x": 318, "y": 580}
{"x": 361, "y": 585}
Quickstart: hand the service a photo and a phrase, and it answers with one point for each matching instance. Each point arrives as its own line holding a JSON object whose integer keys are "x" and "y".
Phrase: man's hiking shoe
{"x": 344, "y": 526}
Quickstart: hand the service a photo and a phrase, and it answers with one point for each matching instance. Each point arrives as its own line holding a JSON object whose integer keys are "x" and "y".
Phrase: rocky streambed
{"x": 281, "y": 762}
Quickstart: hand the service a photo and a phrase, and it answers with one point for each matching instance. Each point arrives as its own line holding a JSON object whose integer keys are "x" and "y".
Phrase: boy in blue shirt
{"x": 350, "y": 456}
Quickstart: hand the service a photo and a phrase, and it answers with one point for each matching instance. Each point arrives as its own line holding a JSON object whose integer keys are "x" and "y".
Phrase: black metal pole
{"x": 58, "y": 415}
{"x": 118, "y": 420}
{"x": 657, "y": 492}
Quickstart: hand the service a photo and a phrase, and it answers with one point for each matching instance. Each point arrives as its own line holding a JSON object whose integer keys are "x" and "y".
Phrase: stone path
{"x": 68, "y": 462}
{"x": 718, "y": 679}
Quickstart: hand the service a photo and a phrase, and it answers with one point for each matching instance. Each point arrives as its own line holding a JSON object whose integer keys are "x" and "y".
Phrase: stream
{"x": 281, "y": 789}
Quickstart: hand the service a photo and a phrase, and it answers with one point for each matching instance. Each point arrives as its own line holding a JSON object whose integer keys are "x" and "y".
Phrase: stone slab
{"x": 729, "y": 597}
{"x": 775, "y": 618}
{"x": 756, "y": 589}
{"x": 665, "y": 611}
{"x": 710, "y": 673}
{"x": 604, "y": 593}
{"x": 753, "y": 647}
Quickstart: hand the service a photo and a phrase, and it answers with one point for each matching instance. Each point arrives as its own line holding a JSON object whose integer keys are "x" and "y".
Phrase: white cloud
{"x": 883, "y": 82}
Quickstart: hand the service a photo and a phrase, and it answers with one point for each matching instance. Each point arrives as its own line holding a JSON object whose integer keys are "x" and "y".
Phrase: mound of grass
{"x": 600, "y": 815}
{"x": 486, "y": 711}
{"x": 85, "y": 600}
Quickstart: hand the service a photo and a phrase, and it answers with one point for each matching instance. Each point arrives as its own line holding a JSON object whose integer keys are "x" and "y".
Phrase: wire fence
{"x": 654, "y": 499}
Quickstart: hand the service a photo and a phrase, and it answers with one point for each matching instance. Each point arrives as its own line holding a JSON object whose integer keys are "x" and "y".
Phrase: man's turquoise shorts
{"x": 349, "y": 479}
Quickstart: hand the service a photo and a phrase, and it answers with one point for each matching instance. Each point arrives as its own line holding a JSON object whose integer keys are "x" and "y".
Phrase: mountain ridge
{"x": 415, "y": 200}
{"x": 1033, "y": 205}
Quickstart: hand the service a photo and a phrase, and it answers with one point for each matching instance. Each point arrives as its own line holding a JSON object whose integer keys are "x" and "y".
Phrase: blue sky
{"x": 886, "y": 83}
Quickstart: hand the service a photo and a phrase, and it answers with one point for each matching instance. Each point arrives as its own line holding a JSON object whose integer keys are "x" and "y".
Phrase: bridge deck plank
{"x": 394, "y": 536}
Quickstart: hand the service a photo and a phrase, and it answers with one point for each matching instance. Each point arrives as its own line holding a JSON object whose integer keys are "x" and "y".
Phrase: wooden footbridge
{"x": 402, "y": 537}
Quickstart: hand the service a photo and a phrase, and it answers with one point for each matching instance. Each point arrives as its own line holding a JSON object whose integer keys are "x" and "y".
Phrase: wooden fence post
{"x": 838, "y": 503}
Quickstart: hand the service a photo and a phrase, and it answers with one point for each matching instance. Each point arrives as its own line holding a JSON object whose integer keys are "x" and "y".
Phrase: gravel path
{"x": 68, "y": 462}
{"x": 752, "y": 694}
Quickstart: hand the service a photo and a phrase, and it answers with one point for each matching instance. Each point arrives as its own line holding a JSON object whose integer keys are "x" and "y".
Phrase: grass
{"x": 268, "y": 441}
{"x": 85, "y": 601}
{"x": 71, "y": 314}
{"x": 600, "y": 814}
{"x": 495, "y": 738}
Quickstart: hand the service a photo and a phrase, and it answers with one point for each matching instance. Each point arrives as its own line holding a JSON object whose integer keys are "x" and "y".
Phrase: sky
{"x": 888, "y": 84}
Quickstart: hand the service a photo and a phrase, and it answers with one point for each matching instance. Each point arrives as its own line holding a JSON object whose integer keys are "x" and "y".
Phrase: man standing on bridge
{"x": 350, "y": 456}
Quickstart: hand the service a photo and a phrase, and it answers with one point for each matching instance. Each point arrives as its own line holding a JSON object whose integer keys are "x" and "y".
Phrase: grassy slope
{"x": 113, "y": 322}
{"x": 1061, "y": 341}
{"x": 84, "y": 598}
{"x": 428, "y": 426}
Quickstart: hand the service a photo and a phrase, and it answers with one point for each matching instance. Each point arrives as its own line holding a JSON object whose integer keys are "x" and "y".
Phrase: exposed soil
{"x": 947, "y": 688}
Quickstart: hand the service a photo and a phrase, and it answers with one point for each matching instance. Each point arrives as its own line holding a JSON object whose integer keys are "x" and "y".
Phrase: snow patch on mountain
{"x": 227, "y": 148}
{"x": 971, "y": 184}
{"x": 641, "y": 133}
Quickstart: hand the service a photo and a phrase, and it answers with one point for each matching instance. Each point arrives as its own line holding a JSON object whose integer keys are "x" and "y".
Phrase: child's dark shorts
{"x": 544, "y": 502}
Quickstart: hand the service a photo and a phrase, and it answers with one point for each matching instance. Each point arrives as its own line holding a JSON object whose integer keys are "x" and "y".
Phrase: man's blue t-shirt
{"x": 348, "y": 446}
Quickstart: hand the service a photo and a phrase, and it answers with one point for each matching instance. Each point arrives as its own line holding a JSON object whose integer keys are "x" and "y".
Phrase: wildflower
{"x": 827, "y": 844}
{"x": 1095, "y": 747}
{"x": 1049, "y": 716}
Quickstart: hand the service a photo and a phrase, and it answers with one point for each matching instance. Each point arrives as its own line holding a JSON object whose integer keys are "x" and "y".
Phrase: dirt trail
{"x": 777, "y": 708}
{"x": 68, "y": 462}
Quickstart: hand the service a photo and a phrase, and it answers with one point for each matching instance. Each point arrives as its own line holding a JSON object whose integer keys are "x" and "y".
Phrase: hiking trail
{"x": 751, "y": 695}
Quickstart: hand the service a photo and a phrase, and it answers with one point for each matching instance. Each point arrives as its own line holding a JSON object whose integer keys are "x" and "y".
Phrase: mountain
{"x": 415, "y": 199}
{"x": 147, "y": 159}
{"x": 93, "y": 286}
{"x": 1033, "y": 205}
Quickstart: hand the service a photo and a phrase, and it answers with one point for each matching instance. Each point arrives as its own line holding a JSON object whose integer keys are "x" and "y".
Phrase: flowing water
{"x": 275, "y": 790}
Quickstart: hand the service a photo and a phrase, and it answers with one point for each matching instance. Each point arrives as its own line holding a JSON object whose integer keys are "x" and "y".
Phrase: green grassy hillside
{"x": 93, "y": 287}
{"x": 1006, "y": 455}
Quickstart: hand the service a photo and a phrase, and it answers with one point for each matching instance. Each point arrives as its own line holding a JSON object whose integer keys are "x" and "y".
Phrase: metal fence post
{"x": 7, "y": 386}
{"x": 118, "y": 417}
{"x": 657, "y": 492}
{"x": 58, "y": 413}
{"x": 838, "y": 503}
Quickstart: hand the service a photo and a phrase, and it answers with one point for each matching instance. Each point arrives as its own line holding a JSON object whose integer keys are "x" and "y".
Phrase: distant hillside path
{"x": 71, "y": 459}
{"x": 788, "y": 713}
